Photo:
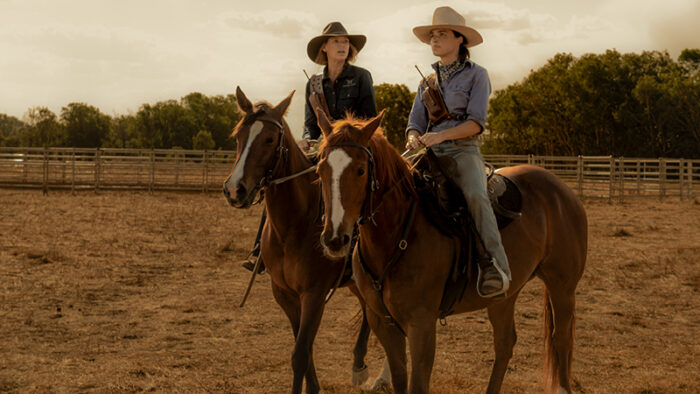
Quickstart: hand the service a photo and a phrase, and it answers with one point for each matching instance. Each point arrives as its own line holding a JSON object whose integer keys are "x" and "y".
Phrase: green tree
{"x": 599, "y": 104}
{"x": 42, "y": 129}
{"x": 85, "y": 126}
{"x": 10, "y": 130}
{"x": 123, "y": 133}
{"x": 203, "y": 141}
{"x": 397, "y": 99}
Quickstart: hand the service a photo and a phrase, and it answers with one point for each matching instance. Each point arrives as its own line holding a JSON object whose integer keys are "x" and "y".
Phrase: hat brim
{"x": 312, "y": 48}
{"x": 473, "y": 37}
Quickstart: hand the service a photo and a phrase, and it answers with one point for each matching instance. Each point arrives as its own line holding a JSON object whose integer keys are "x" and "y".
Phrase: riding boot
{"x": 492, "y": 281}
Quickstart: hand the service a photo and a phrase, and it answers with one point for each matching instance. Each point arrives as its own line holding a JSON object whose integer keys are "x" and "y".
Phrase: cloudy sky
{"x": 119, "y": 54}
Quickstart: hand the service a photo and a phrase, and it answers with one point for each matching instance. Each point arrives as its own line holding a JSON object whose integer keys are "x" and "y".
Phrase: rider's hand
{"x": 430, "y": 139}
{"x": 413, "y": 140}
{"x": 304, "y": 144}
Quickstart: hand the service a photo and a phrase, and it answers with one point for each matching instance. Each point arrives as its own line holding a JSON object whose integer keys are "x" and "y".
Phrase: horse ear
{"x": 369, "y": 129}
{"x": 323, "y": 123}
{"x": 243, "y": 102}
{"x": 281, "y": 108}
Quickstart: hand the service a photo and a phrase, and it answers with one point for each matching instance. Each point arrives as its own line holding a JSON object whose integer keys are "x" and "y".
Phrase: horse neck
{"x": 392, "y": 203}
{"x": 296, "y": 198}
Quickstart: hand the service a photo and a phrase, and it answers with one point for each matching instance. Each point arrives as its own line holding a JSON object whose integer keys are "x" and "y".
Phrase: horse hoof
{"x": 380, "y": 385}
{"x": 360, "y": 376}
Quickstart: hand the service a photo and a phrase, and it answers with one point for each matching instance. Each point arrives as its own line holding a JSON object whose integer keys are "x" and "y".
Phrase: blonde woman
{"x": 344, "y": 87}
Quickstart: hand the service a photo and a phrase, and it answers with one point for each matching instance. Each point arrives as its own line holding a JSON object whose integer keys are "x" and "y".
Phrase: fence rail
{"x": 197, "y": 170}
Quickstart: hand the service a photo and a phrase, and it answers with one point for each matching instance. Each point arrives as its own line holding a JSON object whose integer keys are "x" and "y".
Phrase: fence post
{"x": 72, "y": 178}
{"x": 681, "y": 177}
{"x": 621, "y": 175}
{"x": 530, "y": 159}
{"x": 579, "y": 174}
{"x": 98, "y": 165}
{"x": 205, "y": 171}
{"x": 151, "y": 173}
{"x": 45, "y": 188}
{"x": 662, "y": 178}
{"x": 611, "y": 179}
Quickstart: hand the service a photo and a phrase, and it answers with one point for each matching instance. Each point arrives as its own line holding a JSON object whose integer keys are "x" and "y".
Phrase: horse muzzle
{"x": 335, "y": 246}
{"x": 240, "y": 196}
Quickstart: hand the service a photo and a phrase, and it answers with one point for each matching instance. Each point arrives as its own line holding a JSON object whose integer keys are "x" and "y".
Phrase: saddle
{"x": 445, "y": 207}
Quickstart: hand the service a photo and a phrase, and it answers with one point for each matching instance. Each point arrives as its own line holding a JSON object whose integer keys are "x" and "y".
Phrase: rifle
{"x": 316, "y": 98}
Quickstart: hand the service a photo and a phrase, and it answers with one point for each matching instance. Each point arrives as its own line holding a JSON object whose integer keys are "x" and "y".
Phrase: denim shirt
{"x": 352, "y": 91}
{"x": 466, "y": 92}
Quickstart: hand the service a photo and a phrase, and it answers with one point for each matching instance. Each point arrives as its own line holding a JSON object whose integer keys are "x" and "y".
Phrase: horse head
{"x": 260, "y": 136}
{"x": 348, "y": 178}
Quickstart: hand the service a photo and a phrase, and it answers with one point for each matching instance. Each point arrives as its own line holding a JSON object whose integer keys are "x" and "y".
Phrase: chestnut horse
{"x": 301, "y": 275}
{"x": 363, "y": 177}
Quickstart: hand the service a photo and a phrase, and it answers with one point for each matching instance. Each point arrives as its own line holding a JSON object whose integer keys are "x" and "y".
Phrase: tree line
{"x": 633, "y": 105}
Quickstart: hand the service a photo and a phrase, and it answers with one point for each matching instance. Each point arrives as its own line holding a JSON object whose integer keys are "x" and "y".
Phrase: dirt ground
{"x": 130, "y": 291}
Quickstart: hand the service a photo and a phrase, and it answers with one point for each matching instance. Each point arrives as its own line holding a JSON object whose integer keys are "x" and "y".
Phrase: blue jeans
{"x": 471, "y": 178}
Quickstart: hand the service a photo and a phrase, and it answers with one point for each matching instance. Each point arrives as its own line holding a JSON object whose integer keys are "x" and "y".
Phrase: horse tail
{"x": 551, "y": 377}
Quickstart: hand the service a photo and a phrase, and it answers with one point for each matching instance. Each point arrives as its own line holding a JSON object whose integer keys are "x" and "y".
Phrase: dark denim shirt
{"x": 466, "y": 92}
{"x": 352, "y": 91}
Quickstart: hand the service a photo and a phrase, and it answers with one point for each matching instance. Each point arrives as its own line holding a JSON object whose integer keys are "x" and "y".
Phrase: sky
{"x": 118, "y": 55}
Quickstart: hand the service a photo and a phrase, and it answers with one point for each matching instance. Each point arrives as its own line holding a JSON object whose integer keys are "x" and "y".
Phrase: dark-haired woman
{"x": 465, "y": 87}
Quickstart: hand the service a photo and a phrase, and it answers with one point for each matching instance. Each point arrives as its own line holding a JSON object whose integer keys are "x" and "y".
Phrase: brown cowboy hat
{"x": 447, "y": 18}
{"x": 333, "y": 29}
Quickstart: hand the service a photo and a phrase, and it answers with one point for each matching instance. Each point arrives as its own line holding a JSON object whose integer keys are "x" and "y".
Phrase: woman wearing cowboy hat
{"x": 465, "y": 87}
{"x": 345, "y": 87}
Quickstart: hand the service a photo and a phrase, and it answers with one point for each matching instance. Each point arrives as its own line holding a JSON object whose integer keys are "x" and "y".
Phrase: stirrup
{"x": 502, "y": 293}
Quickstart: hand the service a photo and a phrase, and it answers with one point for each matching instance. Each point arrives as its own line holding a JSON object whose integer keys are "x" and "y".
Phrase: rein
{"x": 281, "y": 156}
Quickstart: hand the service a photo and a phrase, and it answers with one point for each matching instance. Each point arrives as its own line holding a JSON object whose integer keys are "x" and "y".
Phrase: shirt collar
{"x": 346, "y": 73}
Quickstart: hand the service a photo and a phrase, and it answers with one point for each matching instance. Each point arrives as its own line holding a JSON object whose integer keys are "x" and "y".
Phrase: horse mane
{"x": 390, "y": 167}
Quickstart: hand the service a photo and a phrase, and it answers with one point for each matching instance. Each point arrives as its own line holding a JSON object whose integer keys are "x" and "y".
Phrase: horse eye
{"x": 361, "y": 172}
{"x": 268, "y": 140}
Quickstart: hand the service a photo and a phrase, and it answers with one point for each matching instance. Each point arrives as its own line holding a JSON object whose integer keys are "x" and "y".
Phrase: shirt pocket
{"x": 349, "y": 91}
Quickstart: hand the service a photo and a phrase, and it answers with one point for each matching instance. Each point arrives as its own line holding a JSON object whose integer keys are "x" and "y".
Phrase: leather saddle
{"x": 445, "y": 207}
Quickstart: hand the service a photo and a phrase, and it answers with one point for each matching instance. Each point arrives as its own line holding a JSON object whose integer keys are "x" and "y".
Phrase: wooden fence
{"x": 196, "y": 170}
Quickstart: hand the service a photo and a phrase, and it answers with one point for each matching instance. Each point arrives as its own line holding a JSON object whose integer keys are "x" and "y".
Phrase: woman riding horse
{"x": 340, "y": 89}
{"x": 465, "y": 87}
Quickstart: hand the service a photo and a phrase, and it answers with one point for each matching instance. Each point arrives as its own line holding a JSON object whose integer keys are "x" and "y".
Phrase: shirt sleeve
{"x": 311, "y": 129}
{"x": 418, "y": 119}
{"x": 479, "y": 98}
{"x": 367, "y": 105}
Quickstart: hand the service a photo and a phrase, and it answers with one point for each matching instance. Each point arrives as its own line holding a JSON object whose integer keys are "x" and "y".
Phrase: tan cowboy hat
{"x": 333, "y": 29}
{"x": 447, "y": 18}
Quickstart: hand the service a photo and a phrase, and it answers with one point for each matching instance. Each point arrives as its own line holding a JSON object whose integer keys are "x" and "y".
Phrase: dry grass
{"x": 123, "y": 292}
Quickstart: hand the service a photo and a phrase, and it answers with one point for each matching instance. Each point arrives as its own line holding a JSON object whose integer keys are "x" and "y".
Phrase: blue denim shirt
{"x": 466, "y": 92}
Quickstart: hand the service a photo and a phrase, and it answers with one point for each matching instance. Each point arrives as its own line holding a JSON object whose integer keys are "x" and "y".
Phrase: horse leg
{"x": 501, "y": 315}
{"x": 290, "y": 305}
{"x": 421, "y": 340}
{"x": 559, "y": 319}
{"x": 394, "y": 344}
{"x": 360, "y": 373}
{"x": 302, "y": 356}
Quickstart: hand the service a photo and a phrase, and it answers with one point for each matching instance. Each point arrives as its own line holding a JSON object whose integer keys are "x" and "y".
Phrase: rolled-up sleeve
{"x": 418, "y": 119}
{"x": 479, "y": 98}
